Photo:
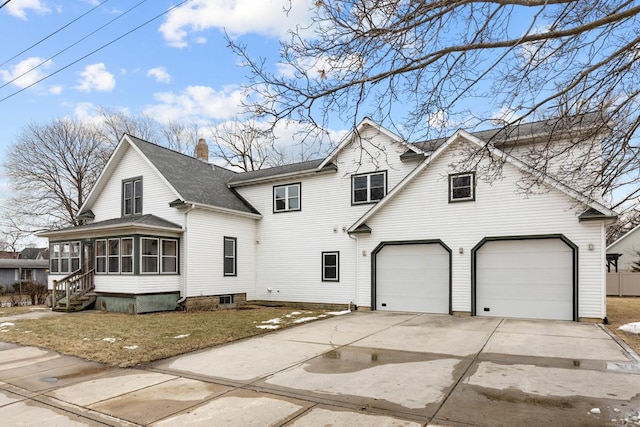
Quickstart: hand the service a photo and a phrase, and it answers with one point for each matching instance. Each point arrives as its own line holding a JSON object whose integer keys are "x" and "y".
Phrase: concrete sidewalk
{"x": 361, "y": 369}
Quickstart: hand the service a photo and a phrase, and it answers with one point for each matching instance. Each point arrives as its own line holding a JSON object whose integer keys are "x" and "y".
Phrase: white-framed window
{"x": 149, "y": 255}
{"x": 287, "y": 198}
{"x": 368, "y": 187}
{"x": 132, "y": 197}
{"x": 126, "y": 255}
{"x": 331, "y": 266}
{"x": 26, "y": 275}
{"x": 64, "y": 257}
{"x": 116, "y": 255}
{"x": 101, "y": 256}
{"x": 462, "y": 187}
{"x": 169, "y": 253}
{"x": 230, "y": 256}
{"x": 113, "y": 247}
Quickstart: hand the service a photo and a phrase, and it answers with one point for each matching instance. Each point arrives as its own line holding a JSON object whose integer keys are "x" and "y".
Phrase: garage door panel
{"x": 413, "y": 277}
{"x": 529, "y": 278}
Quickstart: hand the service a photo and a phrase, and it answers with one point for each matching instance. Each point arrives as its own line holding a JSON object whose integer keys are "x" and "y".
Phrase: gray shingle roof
{"x": 525, "y": 131}
{"x": 275, "y": 171}
{"x": 144, "y": 220}
{"x": 196, "y": 181}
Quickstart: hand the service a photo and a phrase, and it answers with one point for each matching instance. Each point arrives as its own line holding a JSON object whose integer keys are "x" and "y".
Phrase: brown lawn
{"x": 621, "y": 311}
{"x": 128, "y": 340}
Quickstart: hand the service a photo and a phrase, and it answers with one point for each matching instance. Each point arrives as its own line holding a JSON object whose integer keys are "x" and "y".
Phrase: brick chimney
{"x": 202, "y": 150}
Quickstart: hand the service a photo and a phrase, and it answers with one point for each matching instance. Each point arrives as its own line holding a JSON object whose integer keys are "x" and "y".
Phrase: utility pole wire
{"x": 96, "y": 50}
{"x": 52, "y": 34}
{"x": 71, "y": 45}
{"x": 4, "y": 4}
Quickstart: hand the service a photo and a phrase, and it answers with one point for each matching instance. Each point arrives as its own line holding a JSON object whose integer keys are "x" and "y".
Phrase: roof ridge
{"x": 163, "y": 147}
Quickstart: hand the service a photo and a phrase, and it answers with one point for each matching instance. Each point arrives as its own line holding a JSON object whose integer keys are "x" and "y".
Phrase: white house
{"x": 378, "y": 224}
{"x": 626, "y": 250}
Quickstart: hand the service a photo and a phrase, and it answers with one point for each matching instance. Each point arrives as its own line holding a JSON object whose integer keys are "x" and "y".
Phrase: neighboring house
{"x": 34, "y": 253}
{"x": 626, "y": 250}
{"x": 378, "y": 224}
{"x": 26, "y": 270}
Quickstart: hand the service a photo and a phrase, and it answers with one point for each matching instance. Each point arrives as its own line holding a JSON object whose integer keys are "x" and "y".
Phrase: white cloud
{"x": 19, "y": 8}
{"x": 56, "y": 90}
{"x": 160, "y": 74}
{"x": 503, "y": 116}
{"x": 96, "y": 77}
{"x": 23, "y": 67}
{"x": 197, "y": 102}
{"x": 238, "y": 17}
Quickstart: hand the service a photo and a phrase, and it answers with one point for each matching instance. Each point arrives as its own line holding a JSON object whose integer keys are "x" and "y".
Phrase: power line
{"x": 52, "y": 34}
{"x": 95, "y": 50}
{"x": 4, "y": 4}
{"x": 71, "y": 45}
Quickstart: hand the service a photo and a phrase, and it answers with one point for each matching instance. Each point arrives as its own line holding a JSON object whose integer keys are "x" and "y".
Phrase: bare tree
{"x": 422, "y": 68}
{"x": 243, "y": 146}
{"x": 52, "y": 168}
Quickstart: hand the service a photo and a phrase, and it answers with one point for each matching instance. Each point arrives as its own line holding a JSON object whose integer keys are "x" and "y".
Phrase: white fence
{"x": 623, "y": 284}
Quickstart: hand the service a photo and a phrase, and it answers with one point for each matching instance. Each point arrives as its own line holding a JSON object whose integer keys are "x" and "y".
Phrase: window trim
{"x": 69, "y": 257}
{"x": 471, "y": 198}
{"x": 156, "y": 256}
{"x": 286, "y": 199}
{"x": 368, "y": 175}
{"x": 234, "y": 257}
{"x": 131, "y": 181}
{"x": 163, "y": 256}
{"x": 337, "y": 266}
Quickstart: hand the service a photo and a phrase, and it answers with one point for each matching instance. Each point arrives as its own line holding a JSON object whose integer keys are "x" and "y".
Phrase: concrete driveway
{"x": 361, "y": 369}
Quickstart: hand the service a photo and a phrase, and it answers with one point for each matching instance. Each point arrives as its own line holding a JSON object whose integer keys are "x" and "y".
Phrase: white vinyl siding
{"x": 501, "y": 211}
{"x": 293, "y": 243}
{"x": 109, "y": 203}
{"x": 203, "y": 265}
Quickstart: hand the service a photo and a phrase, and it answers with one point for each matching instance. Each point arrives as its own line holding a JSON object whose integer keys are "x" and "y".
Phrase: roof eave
{"x": 186, "y": 203}
{"x": 315, "y": 171}
{"x": 112, "y": 227}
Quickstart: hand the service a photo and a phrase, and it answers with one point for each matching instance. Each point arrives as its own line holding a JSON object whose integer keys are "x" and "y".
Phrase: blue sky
{"x": 177, "y": 67}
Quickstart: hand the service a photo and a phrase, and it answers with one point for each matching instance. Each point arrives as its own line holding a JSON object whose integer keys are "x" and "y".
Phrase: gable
{"x": 462, "y": 140}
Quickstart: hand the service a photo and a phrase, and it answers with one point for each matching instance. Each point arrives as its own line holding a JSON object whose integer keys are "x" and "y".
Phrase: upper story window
{"x": 462, "y": 187}
{"x": 368, "y": 187}
{"x": 286, "y": 198}
{"x": 132, "y": 197}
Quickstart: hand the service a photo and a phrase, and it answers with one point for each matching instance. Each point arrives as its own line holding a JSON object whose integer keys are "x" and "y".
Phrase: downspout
{"x": 356, "y": 299}
{"x": 183, "y": 288}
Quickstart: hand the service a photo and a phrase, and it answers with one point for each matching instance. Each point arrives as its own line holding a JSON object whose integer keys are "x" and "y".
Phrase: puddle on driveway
{"x": 354, "y": 359}
{"x": 90, "y": 370}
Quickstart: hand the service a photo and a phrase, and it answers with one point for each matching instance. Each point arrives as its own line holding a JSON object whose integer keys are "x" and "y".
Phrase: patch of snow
{"x": 181, "y": 336}
{"x": 5, "y": 324}
{"x": 322, "y": 315}
{"x": 273, "y": 321}
{"x": 595, "y": 411}
{"x": 130, "y": 347}
{"x": 111, "y": 340}
{"x": 295, "y": 313}
{"x": 39, "y": 308}
{"x": 339, "y": 313}
{"x": 4, "y": 330}
{"x": 304, "y": 319}
{"x": 634, "y": 327}
{"x": 27, "y": 332}
{"x": 268, "y": 326}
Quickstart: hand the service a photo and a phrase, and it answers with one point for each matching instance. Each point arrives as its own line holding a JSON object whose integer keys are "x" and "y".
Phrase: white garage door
{"x": 531, "y": 278}
{"x": 413, "y": 277}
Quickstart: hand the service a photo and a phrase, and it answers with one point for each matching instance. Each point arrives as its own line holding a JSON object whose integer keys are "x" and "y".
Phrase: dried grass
{"x": 623, "y": 310}
{"x": 154, "y": 336}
